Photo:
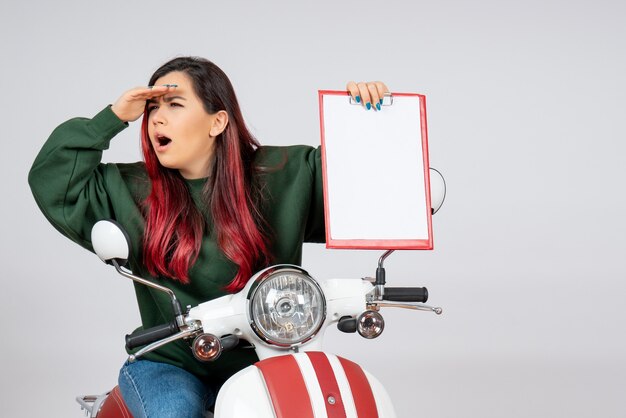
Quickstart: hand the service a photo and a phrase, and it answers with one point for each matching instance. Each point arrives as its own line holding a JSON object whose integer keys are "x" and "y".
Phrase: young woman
{"x": 207, "y": 209}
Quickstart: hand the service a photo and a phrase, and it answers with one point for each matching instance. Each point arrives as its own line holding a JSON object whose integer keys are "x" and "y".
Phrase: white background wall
{"x": 526, "y": 115}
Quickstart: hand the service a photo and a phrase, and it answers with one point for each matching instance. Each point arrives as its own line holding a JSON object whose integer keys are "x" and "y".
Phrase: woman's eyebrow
{"x": 166, "y": 99}
{"x": 170, "y": 98}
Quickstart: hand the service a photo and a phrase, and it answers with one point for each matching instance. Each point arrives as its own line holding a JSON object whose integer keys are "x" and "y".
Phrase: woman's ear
{"x": 220, "y": 121}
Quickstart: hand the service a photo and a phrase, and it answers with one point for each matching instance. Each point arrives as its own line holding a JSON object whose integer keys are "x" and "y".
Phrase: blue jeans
{"x": 160, "y": 390}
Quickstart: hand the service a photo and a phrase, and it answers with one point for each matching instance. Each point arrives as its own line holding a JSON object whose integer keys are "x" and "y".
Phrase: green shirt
{"x": 74, "y": 190}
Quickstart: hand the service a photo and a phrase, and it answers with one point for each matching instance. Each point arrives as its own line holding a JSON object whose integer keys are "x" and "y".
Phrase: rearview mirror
{"x": 110, "y": 242}
{"x": 437, "y": 190}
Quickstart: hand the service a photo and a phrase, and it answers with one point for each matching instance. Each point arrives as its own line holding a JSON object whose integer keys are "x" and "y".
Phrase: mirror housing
{"x": 437, "y": 190}
{"x": 110, "y": 242}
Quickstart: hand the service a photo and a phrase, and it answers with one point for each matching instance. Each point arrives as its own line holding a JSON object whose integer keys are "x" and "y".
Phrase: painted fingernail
{"x": 381, "y": 101}
{"x": 368, "y": 105}
{"x": 170, "y": 85}
{"x": 377, "y": 106}
{"x": 358, "y": 99}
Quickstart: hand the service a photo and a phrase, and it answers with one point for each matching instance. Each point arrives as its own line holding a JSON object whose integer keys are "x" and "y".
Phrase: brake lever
{"x": 408, "y": 305}
{"x": 151, "y": 347}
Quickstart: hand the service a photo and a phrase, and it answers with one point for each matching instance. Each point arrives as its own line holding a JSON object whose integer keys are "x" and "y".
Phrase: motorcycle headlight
{"x": 286, "y": 306}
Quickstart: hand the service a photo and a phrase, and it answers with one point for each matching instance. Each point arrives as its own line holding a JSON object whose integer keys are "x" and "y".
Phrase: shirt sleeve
{"x": 68, "y": 179}
{"x": 315, "y": 226}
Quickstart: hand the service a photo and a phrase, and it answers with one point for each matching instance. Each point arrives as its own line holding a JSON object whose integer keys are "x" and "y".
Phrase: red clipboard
{"x": 376, "y": 172}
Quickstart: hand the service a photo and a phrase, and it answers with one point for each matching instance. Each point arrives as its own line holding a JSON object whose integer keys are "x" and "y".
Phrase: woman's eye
{"x": 151, "y": 108}
{"x": 176, "y": 104}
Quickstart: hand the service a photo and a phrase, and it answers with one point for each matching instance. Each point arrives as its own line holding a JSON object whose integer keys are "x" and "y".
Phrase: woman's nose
{"x": 158, "y": 117}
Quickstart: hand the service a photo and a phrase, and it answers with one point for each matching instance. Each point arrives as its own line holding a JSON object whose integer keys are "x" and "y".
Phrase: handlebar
{"x": 406, "y": 294}
{"x": 150, "y": 335}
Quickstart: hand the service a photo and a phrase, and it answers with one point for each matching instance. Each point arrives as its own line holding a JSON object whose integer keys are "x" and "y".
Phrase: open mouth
{"x": 163, "y": 141}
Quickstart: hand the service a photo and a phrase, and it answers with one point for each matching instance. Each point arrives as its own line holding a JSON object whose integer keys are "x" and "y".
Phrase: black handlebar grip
{"x": 406, "y": 294}
{"x": 150, "y": 335}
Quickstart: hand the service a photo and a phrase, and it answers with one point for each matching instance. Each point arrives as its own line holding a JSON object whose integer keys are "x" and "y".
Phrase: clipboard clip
{"x": 387, "y": 100}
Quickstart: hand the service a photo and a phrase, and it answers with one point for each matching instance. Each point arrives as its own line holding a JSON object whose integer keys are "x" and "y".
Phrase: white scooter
{"x": 283, "y": 312}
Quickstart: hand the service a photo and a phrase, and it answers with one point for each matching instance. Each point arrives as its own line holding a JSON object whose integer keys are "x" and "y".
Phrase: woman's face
{"x": 182, "y": 133}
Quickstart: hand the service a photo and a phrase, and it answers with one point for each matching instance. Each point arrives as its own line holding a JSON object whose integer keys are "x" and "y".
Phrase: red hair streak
{"x": 238, "y": 235}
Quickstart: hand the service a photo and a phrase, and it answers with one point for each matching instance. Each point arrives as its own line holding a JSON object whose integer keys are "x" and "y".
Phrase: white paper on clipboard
{"x": 375, "y": 163}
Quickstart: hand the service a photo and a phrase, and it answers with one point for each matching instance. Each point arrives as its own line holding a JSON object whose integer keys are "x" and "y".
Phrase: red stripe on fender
{"x": 361, "y": 389}
{"x": 328, "y": 384}
{"x": 286, "y": 387}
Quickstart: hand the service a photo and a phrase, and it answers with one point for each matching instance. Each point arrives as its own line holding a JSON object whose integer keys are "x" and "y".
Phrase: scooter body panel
{"x": 306, "y": 385}
{"x": 244, "y": 395}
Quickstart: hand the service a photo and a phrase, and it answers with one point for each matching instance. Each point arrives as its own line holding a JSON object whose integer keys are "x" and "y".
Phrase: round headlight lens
{"x": 287, "y": 306}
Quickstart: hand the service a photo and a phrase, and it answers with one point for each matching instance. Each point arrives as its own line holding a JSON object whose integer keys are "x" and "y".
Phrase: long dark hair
{"x": 174, "y": 225}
